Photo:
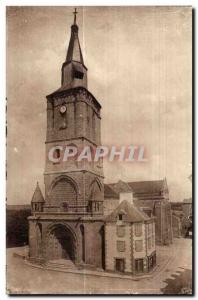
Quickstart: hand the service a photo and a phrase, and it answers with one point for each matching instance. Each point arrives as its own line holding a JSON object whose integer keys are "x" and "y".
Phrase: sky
{"x": 139, "y": 62}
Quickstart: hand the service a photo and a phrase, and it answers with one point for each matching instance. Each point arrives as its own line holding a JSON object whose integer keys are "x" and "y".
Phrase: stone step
{"x": 62, "y": 263}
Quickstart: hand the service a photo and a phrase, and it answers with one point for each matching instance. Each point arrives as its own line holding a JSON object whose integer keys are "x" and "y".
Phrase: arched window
{"x": 95, "y": 192}
{"x": 95, "y": 197}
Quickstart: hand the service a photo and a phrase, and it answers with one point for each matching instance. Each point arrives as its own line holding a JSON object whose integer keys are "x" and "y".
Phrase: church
{"x": 71, "y": 216}
{"x": 69, "y": 224}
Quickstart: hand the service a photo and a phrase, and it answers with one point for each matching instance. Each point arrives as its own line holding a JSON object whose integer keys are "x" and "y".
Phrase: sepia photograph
{"x": 99, "y": 150}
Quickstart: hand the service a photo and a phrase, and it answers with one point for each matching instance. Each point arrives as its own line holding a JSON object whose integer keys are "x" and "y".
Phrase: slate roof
{"x": 74, "y": 50}
{"x": 137, "y": 187}
{"x": 154, "y": 186}
{"x": 37, "y": 196}
{"x": 130, "y": 212}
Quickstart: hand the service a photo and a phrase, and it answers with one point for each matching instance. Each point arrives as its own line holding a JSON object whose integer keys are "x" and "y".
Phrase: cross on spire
{"x": 75, "y": 13}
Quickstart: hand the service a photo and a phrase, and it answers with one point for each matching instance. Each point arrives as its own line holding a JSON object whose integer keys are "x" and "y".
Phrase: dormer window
{"x": 120, "y": 217}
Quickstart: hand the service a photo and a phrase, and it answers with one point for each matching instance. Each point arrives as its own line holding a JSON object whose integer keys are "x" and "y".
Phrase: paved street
{"x": 174, "y": 277}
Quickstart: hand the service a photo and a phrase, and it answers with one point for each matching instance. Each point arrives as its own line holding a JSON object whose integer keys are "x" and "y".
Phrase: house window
{"x": 139, "y": 265}
{"x": 120, "y": 217}
{"x": 138, "y": 229}
{"x": 119, "y": 264}
{"x": 150, "y": 263}
{"x": 120, "y": 246}
{"x": 139, "y": 246}
{"x": 120, "y": 231}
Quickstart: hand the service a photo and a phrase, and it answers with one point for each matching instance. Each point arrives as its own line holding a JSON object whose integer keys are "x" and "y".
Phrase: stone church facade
{"x": 69, "y": 222}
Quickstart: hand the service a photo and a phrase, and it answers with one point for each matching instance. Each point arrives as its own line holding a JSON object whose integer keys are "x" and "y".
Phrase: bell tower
{"x": 68, "y": 222}
{"x": 73, "y": 120}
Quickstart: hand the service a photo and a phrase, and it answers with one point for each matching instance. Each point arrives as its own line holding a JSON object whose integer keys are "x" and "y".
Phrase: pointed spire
{"x": 37, "y": 196}
{"x": 74, "y": 72}
{"x": 74, "y": 52}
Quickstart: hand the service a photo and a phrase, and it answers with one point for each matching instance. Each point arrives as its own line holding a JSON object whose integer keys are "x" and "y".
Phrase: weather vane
{"x": 75, "y": 13}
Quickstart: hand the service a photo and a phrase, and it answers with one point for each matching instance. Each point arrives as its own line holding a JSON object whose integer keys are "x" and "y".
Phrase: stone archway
{"x": 61, "y": 243}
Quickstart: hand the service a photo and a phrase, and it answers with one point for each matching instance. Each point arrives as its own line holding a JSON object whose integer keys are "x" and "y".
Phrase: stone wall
{"x": 82, "y": 183}
{"x": 93, "y": 243}
{"x": 82, "y": 116}
{"x": 136, "y": 245}
{"x": 111, "y": 251}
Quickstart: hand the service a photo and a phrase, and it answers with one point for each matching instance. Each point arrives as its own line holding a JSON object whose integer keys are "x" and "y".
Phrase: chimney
{"x": 128, "y": 196}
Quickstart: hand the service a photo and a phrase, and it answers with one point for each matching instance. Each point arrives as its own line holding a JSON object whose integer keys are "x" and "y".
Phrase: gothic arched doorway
{"x": 61, "y": 243}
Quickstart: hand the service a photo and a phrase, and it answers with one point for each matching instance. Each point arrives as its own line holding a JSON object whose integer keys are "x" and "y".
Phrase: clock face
{"x": 62, "y": 109}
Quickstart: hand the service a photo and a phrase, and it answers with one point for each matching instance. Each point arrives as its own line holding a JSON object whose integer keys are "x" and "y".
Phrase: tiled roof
{"x": 130, "y": 213}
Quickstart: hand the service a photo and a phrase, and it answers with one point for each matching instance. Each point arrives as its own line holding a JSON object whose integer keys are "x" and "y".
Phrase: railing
{"x": 73, "y": 209}
{"x": 68, "y": 209}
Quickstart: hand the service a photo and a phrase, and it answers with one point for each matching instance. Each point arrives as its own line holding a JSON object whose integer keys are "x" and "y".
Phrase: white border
{"x": 3, "y": 4}
{"x": 99, "y": 3}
